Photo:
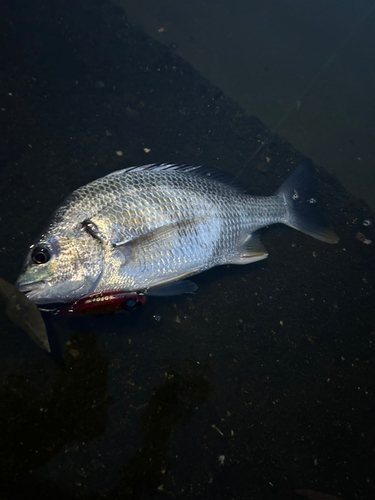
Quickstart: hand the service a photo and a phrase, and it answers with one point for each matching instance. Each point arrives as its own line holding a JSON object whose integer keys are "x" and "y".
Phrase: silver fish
{"x": 147, "y": 228}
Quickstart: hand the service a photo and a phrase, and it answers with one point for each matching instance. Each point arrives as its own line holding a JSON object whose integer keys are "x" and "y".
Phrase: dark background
{"x": 260, "y": 384}
{"x": 306, "y": 69}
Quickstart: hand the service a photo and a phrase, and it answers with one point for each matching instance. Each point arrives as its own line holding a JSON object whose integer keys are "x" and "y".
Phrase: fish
{"x": 147, "y": 229}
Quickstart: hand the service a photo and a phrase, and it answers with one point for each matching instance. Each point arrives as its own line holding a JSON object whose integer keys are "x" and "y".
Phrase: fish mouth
{"x": 31, "y": 289}
{"x": 47, "y": 292}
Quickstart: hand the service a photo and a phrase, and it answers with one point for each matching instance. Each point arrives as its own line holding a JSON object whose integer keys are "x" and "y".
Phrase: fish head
{"x": 62, "y": 266}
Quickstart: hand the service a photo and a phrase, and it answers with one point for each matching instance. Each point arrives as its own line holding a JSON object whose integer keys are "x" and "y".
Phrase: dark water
{"x": 259, "y": 385}
{"x": 303, "y": 68}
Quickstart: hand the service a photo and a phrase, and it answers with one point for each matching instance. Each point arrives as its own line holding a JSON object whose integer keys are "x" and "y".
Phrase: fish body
{"x": 145, "y": 229}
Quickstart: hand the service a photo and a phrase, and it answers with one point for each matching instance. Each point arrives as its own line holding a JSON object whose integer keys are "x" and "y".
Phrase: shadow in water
{"x": 76, "y": 404}
{"x": 39, "y": 422}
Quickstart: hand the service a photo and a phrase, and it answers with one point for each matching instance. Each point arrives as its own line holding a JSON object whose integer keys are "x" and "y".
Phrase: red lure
{"x": 102, "y": 303}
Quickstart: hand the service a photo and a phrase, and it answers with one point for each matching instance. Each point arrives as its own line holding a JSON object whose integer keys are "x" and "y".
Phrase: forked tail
{"x": 298, "y": 194}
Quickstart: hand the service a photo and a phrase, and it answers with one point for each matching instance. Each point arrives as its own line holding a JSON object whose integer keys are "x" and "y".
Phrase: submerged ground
{"x": 260, "y": 384}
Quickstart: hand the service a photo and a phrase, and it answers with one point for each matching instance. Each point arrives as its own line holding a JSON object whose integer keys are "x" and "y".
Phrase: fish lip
{"x": 28, "y": 288}
{"x": 40, "y": 292}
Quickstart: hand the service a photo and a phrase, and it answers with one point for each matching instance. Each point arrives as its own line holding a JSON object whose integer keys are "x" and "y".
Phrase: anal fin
{"x": 251, "y": 251}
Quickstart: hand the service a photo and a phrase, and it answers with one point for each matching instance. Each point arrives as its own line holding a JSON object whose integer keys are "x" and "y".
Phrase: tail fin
{"x": 298, "y": 191}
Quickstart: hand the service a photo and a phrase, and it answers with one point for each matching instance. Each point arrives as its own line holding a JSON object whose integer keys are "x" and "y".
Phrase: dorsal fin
{"x": 198, "y": 170}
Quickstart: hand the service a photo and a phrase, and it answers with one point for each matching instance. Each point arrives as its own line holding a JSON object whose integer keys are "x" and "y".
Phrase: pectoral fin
{"x": 150, "y": 243}
{"x": 162, "y": 233}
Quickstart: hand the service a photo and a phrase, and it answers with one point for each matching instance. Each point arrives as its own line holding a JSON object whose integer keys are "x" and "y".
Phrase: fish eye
{"x": 40, "y": 255}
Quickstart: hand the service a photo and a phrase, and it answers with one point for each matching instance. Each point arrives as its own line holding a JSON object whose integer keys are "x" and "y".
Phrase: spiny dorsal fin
{"x": 198, "y": 170}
